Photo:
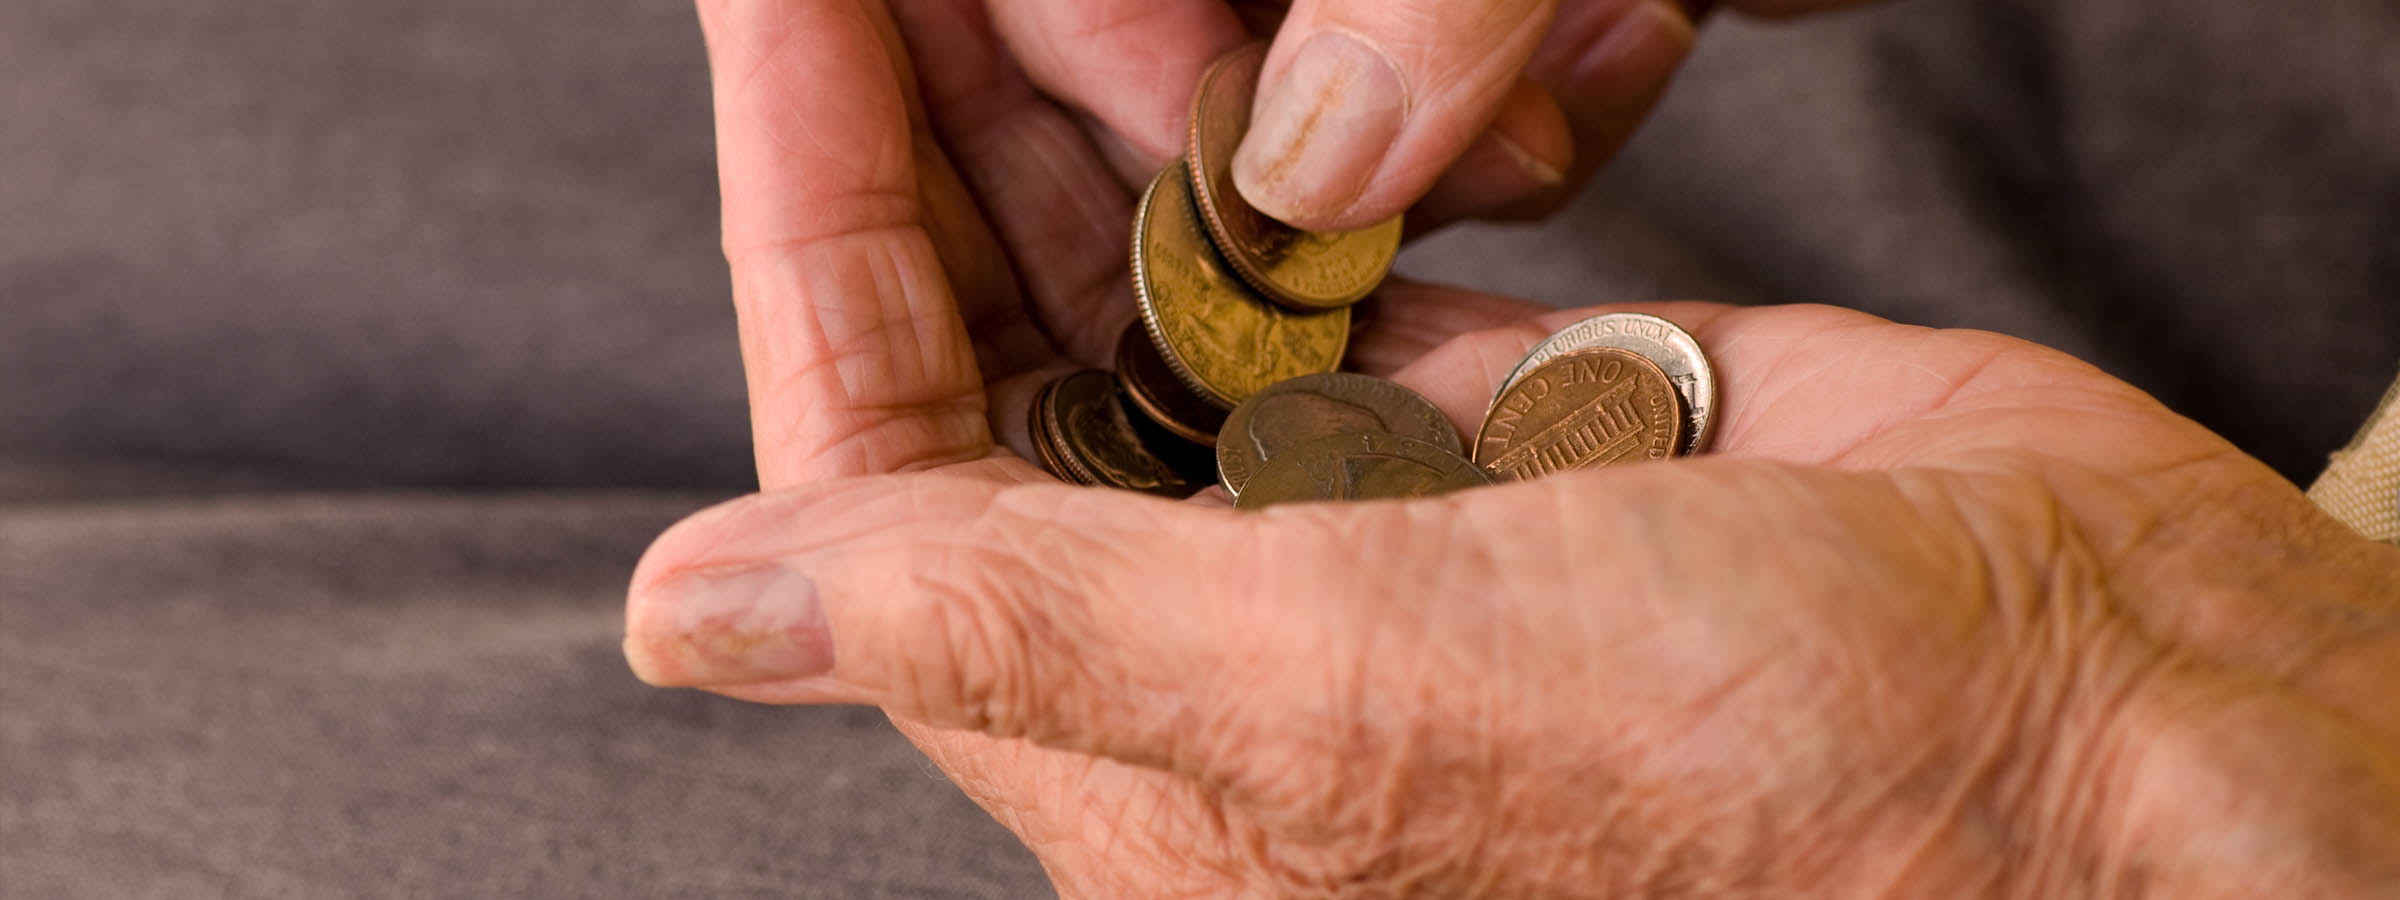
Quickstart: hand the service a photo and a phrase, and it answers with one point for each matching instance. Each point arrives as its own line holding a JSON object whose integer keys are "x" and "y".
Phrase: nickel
{"x": 1294, "y": 412}
{"x": 1363, "y": 466}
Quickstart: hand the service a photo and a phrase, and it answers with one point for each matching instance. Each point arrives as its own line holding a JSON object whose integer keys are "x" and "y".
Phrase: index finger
{"x": 857, "y": 358}
{"x": 1129, "y": 63}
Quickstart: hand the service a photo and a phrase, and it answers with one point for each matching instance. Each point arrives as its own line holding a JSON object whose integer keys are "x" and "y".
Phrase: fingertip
{"x": 1127, "y": 63}
{"x": 1610, "y": 83}
{"x": 1518, "y": 169}
{"x": 644, "y": 665}
{"x": 1321, "y": 131}
{"x": 794, "y": 692}
{"x": 1532, "y": 131}
{"x": 728, "y": 626}
{"x": 1365, "y": 104}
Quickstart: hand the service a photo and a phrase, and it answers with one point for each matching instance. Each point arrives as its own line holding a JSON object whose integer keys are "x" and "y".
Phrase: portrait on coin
{"x": 1106, "y": 442}
{"x": 1364, "y": 476}
{"x": 1289, "y": 420}
{"x": 1235, "y": 330}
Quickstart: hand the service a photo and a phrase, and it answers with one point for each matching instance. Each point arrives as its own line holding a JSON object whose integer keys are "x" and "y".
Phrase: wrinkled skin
{"x": 1511, "y": 104}
{"x": 1946, "y": 614}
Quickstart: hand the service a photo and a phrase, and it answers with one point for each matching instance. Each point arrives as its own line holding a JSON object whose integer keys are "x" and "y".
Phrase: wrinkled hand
{"x": 1489, "y": 108}
{"x": 1947, "y": 614}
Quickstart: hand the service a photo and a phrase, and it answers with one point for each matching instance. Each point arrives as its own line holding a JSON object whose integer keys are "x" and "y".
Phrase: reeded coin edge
{"x": 1058, "y": 429}
{"x": 1037, "y": 425}
{"x": 1142, "y": 294}
{"x": 1149, "y": 305}
{"x": 1196, "y": 171}
{"x": 1199, "y": 165}
{"x": 1156, "y": 412}
{"x": 1681, "y": 419}
{"x": 1700, "y": 423}
{"x": 1151, "y": 406}
{"x": 1186, "y": 480}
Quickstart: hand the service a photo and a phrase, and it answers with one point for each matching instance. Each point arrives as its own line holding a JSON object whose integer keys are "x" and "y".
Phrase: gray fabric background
{"x": 350, "y": 353}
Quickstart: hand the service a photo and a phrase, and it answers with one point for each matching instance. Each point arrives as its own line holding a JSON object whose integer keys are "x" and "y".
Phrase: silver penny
{"x": 1664, "y": 342}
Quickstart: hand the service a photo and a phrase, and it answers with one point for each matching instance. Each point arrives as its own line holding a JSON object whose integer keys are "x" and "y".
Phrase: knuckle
{"x": 974, "y": 654}
{"x": 1006, "y": 639}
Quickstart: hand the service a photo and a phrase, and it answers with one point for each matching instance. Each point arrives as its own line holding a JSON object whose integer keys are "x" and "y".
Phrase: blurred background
{"x": 350, "y": 354}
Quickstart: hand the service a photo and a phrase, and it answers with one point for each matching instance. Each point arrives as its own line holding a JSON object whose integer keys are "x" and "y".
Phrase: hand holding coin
{"x": 1927, "y": 609}
{"x": 1615, "y": 388}
{"x": 1443, "y": 109}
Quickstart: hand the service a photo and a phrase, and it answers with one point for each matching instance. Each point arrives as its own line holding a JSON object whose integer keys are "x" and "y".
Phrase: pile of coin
{"x": 1230, "y": 374}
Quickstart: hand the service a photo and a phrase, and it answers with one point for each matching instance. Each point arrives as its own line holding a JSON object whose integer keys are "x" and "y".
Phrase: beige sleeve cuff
{"x": 2362, "y": 485}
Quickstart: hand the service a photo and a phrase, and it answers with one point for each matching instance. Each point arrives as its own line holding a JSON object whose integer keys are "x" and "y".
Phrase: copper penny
{"x": 1361, "y": 466}
{"x": 1221, "y": 338}
{"x": 1300, "y": 269}
{"x": 1162, "y": 398}
{"x": 1045, "y": 447}
{"x": 1663, "y": 342}
{"x": 1096, "y": 441}
{"x": 1582, "y": 410}
{"x": 1295, "y": 412}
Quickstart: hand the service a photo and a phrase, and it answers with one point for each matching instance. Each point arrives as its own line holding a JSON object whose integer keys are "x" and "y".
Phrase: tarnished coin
{"x": 1220, "y": 337}
{"x": 1195, "y": 463}
{"x": 1582, "y": 410}
{"x": 1301, "y": 269}
{"x": 1045, "y": 442}
{"x": 1361, "y": 466}
{"x": 1660, "y": 341}
{"x": 1295, "y": 412}
{"x": 1162, "y": 398}
{"x": 1091, "y": 439}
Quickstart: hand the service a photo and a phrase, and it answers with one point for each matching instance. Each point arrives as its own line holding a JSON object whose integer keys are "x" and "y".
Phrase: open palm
{"x": 1944, "y": 612}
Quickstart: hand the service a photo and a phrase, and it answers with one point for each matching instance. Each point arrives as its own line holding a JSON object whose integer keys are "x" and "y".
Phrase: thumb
{"x": 1086, "y": 620}
{"x": 1364, "y": 103}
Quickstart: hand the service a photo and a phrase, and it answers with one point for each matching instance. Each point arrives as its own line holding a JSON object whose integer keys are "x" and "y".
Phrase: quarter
{"x": 1359, "y": 466}
{"x": 1675, "y": 351}
{"x": 1307, "y": 270}
{"x": 1296, "y": 411}
{"x": 1582, "y": 410}
{"x": 1220, "y": 338}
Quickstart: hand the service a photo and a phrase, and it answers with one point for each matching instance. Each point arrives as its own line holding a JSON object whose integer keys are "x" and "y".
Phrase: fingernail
{"x": 1494, "y": 178}
{"x": 1634, "y": 60}
{"x": 1319, "y": 133}
{"x": 727, "y": 627}
{"x": 1543, "y": 175}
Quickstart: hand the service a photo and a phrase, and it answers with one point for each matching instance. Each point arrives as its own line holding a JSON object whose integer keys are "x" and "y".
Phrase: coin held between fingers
{"x": 1304, "y": 270}
{"x": 1220, "y": 337}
